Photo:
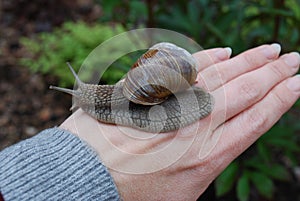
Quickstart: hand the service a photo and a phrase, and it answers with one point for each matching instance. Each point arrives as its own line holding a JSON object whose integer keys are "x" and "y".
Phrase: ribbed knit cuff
{"x": 54, "y": 165}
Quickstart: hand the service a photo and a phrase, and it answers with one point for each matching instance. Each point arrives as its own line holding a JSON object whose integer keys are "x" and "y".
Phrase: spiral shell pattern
{"x": 163, "y": 70}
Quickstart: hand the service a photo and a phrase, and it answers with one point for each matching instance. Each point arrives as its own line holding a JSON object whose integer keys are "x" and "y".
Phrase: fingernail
{"x": 294, "y": 83}
{"x": 228, "y": 50}
{"x": 292, "y": 59}
{"x": 224, "y": 53}
{"x": 276, "y": 47}
{"x": 272, "y": 51}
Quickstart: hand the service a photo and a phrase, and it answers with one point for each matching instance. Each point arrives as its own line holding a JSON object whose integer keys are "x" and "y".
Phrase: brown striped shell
{"x": 163, "y": 70}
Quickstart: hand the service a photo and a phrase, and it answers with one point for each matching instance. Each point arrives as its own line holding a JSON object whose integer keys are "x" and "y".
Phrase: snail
{"x": 156, "y": 95}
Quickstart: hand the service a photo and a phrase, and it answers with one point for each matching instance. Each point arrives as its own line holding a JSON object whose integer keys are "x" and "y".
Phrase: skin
{"x": 258, "y": 87}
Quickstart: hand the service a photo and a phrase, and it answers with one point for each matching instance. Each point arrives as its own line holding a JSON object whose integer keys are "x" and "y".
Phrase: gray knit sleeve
{"x": 54, "y": 165}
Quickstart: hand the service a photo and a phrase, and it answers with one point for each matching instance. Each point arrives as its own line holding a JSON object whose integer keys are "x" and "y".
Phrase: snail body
{"x": 147, "y": 98}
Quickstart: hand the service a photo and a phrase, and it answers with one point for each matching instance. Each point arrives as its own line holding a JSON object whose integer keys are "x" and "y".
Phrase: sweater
{"x": 54, "y": 165}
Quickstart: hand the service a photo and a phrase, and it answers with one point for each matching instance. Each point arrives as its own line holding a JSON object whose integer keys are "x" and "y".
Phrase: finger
{"x": 219, "y": 74}
{"x": 249, "y": 88}
{"x": 209, "y": 57}
{"x": 245, "y": 128}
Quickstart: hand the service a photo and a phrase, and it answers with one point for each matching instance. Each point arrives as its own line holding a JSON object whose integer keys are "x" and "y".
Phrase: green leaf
{"x": 274, "y": 171}
{"x": 277, "y": 131}
{"x": 263, "y": 184}
{"x": 243, "y": 188}
{"x": 294, "y": 6}
{"x": 72, "y": 42}
{"x": 225, "y": 181}
{"x": 263, "y": 151}
{"x": 297, "y": 104}
{"x": 278, "y": 172}
{"x": 285, "y": 143}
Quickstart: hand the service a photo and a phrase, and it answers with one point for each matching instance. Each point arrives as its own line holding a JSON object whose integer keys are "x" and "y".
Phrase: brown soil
{"x": 27, "y": 105}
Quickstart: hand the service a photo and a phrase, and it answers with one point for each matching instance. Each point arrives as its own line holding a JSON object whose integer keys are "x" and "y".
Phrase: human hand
{"x": 251, "y": 91}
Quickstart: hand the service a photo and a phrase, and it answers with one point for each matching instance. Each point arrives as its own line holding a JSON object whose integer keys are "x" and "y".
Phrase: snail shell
{"x": 163, "y": 70}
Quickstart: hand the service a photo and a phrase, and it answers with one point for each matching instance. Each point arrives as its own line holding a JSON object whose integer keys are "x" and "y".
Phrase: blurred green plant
{"x": 234, "y": 23}
{"x": 71, "y": 43}
{"x": 260, "y": 166}
{"x": 238, "y": 24}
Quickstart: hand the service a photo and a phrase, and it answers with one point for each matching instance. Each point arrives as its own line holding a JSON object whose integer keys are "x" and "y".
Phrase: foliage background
{"x": 268, "y": 169}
